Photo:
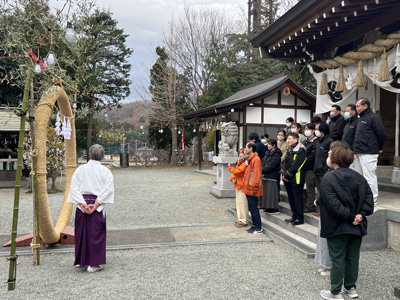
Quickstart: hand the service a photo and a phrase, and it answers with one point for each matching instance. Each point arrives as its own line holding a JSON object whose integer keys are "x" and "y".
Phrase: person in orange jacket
{"x": 253, "y": 186}
{"x": 237, "y": 171}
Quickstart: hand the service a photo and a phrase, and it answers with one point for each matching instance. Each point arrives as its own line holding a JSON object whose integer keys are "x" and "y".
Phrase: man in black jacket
{"x": 349, "y": 130}
{"x": 309, "y": 192}
{"x": 260, "y": 147}
{"x": 337, "y": 123}
{"x": 368, "y": 142}
{"x": 293, "y": 177}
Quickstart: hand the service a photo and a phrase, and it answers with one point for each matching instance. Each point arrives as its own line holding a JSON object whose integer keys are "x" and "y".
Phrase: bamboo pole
{"x": 22, "y": 114}
{"x": 35, "y": 244}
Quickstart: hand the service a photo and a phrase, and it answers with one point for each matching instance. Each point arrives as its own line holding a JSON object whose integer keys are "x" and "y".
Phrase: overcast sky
{"x": 145, "y": 20}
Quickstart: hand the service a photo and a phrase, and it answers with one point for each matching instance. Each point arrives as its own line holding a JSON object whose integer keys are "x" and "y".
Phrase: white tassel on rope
{"x": 64, "y": 127}
{"x": 68, "y": 129}
{"x": 58, "y": 123}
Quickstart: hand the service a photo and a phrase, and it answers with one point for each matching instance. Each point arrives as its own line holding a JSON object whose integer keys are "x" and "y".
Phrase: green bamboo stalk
{"x": 36, "y": 236}
{"x": 13, "y": 257}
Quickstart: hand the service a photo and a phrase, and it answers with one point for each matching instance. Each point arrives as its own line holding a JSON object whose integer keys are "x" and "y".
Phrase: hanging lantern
{"x": 38, "y": 68}
{"x": 70, "y": 35}
{"x": 51, "y": 58}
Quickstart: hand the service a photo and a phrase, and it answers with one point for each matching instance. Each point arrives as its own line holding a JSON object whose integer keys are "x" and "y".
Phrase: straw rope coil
{"x": 345, "y": 61}
{"x": 49, "y": 233}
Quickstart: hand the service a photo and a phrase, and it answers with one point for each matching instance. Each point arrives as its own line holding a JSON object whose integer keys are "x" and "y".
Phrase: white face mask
{"x": 328, "y": 162}
{"x": 307, "y": 133}
{"x": 280, "y": 138}
{"x": 288, "y": 124}
{"x": 293, "y": 130}
{"x": 332, "y": 115}
{"x": 264, "y": 141}
{"x": 317, "y": 133}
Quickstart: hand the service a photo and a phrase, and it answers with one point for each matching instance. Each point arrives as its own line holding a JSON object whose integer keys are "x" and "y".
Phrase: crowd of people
{"x": 328, "y": 169}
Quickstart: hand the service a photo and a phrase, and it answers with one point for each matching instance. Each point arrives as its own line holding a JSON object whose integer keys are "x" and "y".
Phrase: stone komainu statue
{"x": 229, "y": 136}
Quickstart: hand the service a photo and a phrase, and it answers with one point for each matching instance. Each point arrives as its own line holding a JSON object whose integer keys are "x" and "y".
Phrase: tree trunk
{"x": 174, "y": 155}
{"x": 90, "y": 128}
{"x": 256, "y": 16}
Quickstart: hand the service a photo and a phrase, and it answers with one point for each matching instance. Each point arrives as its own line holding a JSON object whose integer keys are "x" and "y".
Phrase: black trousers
{"x": 294, "y": 192}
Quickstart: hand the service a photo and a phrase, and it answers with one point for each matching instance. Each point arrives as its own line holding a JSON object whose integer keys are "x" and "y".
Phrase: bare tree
{"x": 167, "y": 91}
{"x": 198, "y": 34}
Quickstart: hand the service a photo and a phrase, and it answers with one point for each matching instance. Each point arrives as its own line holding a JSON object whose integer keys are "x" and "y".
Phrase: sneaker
{"x": 258, "y": 231}
{"x": 94, "y": 269}
{"x": 326, "y": 294}
{"x": 240, "y": 224}
{"x": 326, "y": 274}
{"x": 251, "y": 230}
{"x": 320, "y": 270}
{"x": 352, "y": 293}
{"x": 272, "y": 211}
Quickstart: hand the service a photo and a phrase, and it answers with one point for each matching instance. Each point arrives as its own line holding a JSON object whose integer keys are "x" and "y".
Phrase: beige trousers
{"x": 242, "y": 207}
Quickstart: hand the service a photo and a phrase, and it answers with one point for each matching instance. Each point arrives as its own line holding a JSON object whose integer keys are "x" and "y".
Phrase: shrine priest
{"x": 92, "y": 188}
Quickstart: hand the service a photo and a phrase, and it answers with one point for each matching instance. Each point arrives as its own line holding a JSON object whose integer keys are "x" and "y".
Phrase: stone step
{"x": 306, "y": 231}
{"x": 388, "y": 187}
{"x": 284, "y": 207}
{"x": 286, "y": 238}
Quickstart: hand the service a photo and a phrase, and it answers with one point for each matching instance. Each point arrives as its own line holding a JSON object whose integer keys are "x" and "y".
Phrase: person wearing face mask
{"x": 368, "y": 143}
{"x": 321, "y": 152}
{"x": 309, "y": 192}
{"x": 345, "y": 200}
{"x": 337, "y": 123}
{"x": 349, "y": 130}
{"x": 322, "y": 252}
{"x": 271, "y": 165}
{"x": 282, "y": 144}
{"x": 296, "y": 128}
{"x": 264, "y": 140}
{"x": 237, "y": 171}
{"x": 293, "y": 177}
{"x": 289, "y": 122}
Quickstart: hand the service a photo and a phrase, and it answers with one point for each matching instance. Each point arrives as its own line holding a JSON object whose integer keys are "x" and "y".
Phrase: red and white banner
{"x": 183, "y": 140}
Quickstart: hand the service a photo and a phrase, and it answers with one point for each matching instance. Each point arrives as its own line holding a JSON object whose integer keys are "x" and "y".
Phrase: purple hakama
{"x": 90, "y": 236}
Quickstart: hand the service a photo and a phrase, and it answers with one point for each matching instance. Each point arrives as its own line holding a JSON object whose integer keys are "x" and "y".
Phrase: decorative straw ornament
{"x": 384, "y": 74}
{"x": 341, "y": 84}
{"x": 323, "y": 88}
{"x": 360, "y": 79}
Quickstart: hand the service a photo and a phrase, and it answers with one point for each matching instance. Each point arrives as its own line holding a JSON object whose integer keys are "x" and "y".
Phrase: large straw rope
{"x": 48, "y": 232}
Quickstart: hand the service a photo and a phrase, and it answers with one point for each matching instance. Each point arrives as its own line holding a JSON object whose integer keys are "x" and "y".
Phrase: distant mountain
{"x": 130, "y": 112}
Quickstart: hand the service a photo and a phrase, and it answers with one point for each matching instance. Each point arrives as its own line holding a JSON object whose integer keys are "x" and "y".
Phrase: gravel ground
{"x": 238, "y": 271}
{"x": 153, "y": 197}
{"x": 143, "y": 197}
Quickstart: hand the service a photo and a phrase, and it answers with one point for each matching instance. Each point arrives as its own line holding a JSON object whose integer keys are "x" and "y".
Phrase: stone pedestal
{"x": 224, "y": 188}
